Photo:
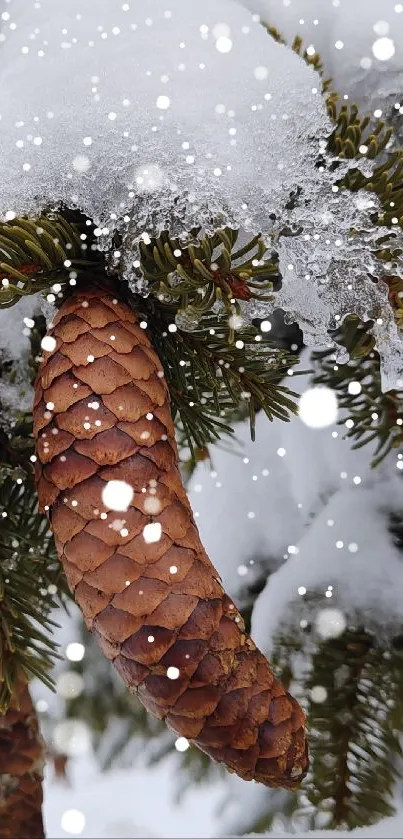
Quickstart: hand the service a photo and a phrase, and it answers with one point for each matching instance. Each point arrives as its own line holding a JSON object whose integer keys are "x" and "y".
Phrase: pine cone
{"x": 157, "y": 608}
{"x": 21, "y": 764}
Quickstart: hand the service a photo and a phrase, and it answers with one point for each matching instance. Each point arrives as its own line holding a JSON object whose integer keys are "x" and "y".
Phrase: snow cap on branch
{"x": 359, "y": 43}
{"x": 172, "y": 113}
{"x": 151, "y": 117}
{"x": 360, "y": 568}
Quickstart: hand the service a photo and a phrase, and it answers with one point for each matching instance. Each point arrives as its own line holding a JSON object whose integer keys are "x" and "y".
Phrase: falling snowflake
{"x": 117, "y": 495}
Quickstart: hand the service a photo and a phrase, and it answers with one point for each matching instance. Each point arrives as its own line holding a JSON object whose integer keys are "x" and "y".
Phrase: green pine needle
{"x": 210, "y": 377}
{"x": 28, "y": 567}
{"x": 201, "y": 272}
{"x": 375, "y": 416}
{"x": 37, "y": 253}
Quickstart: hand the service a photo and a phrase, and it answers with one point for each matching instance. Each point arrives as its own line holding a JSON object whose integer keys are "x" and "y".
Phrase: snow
{"x": 134, "y": 802}
{"x": 219, "y": 125}
{"x": 14, "y": 333}
{"x": 94, "y": 115}
{"x": 309, "y": 508}
{"x": 360, "y": 44}
{"x": 284, "y": 479}
{"x": 386, "y": 829}
{"x": 250, "y": 802}
{"x": 361, "y": 563}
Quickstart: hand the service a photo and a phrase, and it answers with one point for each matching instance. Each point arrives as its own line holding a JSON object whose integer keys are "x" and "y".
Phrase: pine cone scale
{"x": 154, "y": 601}
{"x": 21, "y": 764}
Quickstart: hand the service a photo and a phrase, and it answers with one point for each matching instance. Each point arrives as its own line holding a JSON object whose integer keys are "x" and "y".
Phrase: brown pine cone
{"x": 157, "y": 608}
{"x": 21, "y": 765}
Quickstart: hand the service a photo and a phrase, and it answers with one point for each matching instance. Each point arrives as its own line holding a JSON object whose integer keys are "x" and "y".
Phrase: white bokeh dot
{"x": 73, "y": 821}
{"x": 318, "y": 407}
{"x": 81, "y": 163}
{"x": 69, "y": 684}
{"x": 75, "y": 651}
{"x": 330, "y": 623}
{"x": 182, "y": 744}
{"x": 48, "y": 343}
{"x": 221, "y": 30}
{"x": 173, "y": 673}
{"x": 117, "y": 495}
{"x": 265, "y": 326}
{"x": 72, "y": 737}
{"x": 381, "y": 27}
{"x": 152, "y": 532}
{"x": 260, "y": 73}
{"x": 163, "y": 102}
{"x": 223, "y": 44}
{"x": 318, "y": 694}
{"x": 383, "y": 49}
{"x": 152, "y": 505}
{"x": 149, "y": 177}
{"x": 354, "y": 388}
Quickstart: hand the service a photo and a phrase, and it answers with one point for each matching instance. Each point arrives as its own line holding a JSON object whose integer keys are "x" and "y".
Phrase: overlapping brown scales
{"x": 102, "y": 414}
{"x": 21, "y": 764}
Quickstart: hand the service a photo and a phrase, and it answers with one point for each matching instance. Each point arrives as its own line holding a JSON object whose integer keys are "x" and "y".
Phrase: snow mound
{"x": 257, "y": 500}
{"x": 360, "y": 43}
{"x": 170, "y": 113}
{"x": 347, "y": 553}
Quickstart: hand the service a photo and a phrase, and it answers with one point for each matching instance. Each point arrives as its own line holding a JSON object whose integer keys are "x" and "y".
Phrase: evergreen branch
{"x": 217, "y": 366}
{"x": 370, "y": 413}
{"x": 35, "y": 254}
{"x": 354, "y": 744}
{"x": 201, "y": 272}
{"x": 209, "y": 377}
{"x": 355, "y": 723}
{"x": 29, "y": 575}
{"x": 356, "y": 137}
{"x": 297, "y": 46}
